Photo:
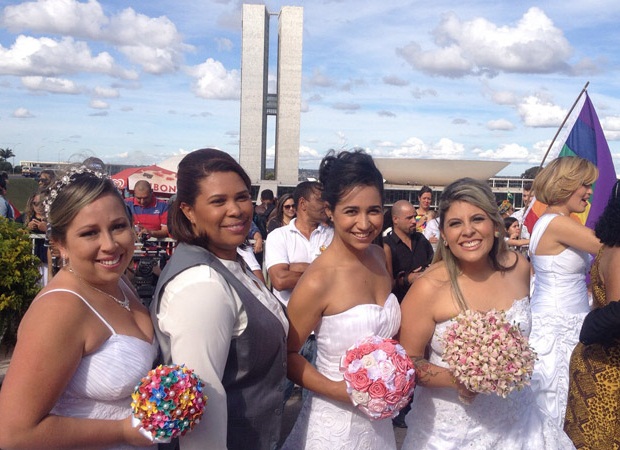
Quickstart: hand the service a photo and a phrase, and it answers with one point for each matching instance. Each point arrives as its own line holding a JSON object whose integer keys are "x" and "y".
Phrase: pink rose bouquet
{"x": 487, "y": 354}
{"x": 168, "y": 402}
{"x": 379, "y": 375}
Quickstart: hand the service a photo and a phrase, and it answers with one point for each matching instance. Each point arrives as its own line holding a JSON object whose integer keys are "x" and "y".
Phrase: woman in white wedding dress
{"x": 473, "y": 269}
{"x": 343, "y": 296}
{"x": 560, "y": 249}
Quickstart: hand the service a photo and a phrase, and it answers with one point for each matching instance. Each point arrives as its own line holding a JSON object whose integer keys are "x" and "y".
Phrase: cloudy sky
{"x": 136, "y": 82}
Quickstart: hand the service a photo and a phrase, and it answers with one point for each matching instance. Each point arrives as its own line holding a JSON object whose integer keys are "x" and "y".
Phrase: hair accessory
{"x": 64, "y": 181}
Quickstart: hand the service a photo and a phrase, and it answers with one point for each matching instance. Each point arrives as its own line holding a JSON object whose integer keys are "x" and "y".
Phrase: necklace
{"x": 124, "y": 302}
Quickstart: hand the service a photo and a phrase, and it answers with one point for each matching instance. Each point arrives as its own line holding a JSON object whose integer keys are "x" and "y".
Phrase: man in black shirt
{"x": 407, "y": 251}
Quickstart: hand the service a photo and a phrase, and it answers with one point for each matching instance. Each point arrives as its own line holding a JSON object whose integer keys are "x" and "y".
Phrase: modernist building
{"x": 257, "y": 103}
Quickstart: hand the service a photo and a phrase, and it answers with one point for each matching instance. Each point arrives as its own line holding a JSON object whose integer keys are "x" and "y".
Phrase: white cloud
{"x": 98, "y": 104}
{"x": 22, "y": 113}
{"x": 540, "y": 113}
{"x": 533, "y": 45}
{"x": 50, "y": 84}
{"x": 56, "y": 16}
{"x": 319, "y": 79}
{"x": 384, "y": 113}
{"x": 394, "y": 80}
{"x": 611, "y": 127}
{"x": 416, "y": 148}
{"x": 346, "y": 106}
{"x": 500, "y": 124}
{"x": 418, "y": 93}
{"x": 507, "y": 152}
{"x": 106, "y": 92}
{"x": 224, "y": 44}
{"x": 505, "y": 98}
{"x": 213, "y": 81}
{"x": 47, "y": 57}
{"x": 153, "y": 43}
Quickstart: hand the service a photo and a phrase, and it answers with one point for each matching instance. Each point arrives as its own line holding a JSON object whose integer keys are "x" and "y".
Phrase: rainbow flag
{"x": 586, "y": 139}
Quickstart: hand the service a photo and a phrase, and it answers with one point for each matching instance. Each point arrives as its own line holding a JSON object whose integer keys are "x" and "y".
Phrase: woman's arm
{"x": 305, "y": 309}
{"x": 51, "y": 341}
{"x": 199, "y": 314}
{"x": 569, "y": 232}
{"x": 417, "y": 328}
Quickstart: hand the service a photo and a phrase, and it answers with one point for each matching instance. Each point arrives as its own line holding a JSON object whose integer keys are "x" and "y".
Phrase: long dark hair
{"x": 195, "y": 167}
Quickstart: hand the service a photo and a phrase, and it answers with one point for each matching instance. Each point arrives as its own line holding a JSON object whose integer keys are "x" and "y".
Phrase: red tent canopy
{"x": 162, "y": 181}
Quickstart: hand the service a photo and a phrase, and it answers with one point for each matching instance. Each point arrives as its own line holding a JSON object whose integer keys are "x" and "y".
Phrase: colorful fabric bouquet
{"x": 168, "y": 402}
{"x": 379, "y": 375}
{"x": 487, "y": 354}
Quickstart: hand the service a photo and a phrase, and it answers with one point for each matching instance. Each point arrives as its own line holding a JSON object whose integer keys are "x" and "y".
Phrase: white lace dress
{"x": 324, "y": 424}
{"x": 559, "y": 306}
{"x": 438, "y": 420}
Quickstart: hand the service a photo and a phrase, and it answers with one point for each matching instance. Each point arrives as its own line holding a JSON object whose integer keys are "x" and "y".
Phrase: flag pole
{"x": 563, "y": 122}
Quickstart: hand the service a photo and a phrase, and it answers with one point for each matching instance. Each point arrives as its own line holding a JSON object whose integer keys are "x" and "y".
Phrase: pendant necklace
{"x": 123, "y": 303}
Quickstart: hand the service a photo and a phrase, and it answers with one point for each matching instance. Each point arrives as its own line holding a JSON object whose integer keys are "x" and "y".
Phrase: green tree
{"x": 6, "y": 153}
{"x": 19, "y": 280}
{"x": 531, "y": 173}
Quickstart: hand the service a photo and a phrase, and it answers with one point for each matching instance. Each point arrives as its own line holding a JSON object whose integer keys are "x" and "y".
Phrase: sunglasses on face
{"x": 288, "y": 206}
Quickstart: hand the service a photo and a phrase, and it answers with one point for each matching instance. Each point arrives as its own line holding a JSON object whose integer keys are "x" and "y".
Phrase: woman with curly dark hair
{"x": 593, "y": 412}
{"x": 344, "y": 295}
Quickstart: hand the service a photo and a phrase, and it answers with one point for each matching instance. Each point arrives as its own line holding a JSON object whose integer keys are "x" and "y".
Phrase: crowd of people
{"x": 254, "y": 321}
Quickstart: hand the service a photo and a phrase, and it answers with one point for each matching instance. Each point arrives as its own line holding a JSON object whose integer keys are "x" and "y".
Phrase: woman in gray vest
{"x": 212, "y": 314}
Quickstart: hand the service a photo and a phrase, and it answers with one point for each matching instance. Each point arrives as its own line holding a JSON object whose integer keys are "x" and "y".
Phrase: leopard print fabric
{"x": 593, "y": 412}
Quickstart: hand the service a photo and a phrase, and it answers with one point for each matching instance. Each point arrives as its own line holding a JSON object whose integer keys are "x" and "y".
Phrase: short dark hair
{"x": 266, "y": 194}
{"x": 527, "y": 186}
{"x": 305, "y": 189}
{"x": 193, "y": 168}
{"x": 2, "y": 183}
{"x": 607, "y": 227}
{"x": 339, "y": 173}
{"x": 424, "y": 190}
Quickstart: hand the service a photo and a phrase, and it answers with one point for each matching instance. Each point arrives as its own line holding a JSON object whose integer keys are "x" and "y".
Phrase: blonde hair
{"x": 562, "y": 177}
{"x": 478, "y": 194}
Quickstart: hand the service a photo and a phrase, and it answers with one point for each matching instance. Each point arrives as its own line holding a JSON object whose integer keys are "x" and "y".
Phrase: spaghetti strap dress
{"x": 103, "y": 382}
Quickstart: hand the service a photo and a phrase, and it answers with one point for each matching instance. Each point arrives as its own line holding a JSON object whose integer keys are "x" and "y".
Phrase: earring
{"x": 64, "y": 260}
{"x": 445, "y": 243}
{"x": 496, "y": 234}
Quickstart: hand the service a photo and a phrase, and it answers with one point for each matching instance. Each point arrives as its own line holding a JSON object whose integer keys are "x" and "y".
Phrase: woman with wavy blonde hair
{"x": 560, "y": 249}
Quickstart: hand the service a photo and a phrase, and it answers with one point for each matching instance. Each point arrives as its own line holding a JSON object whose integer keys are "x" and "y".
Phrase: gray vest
{"x": 255, "y": 373}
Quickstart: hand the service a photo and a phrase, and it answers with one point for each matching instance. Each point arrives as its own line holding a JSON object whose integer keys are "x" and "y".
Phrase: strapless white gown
{"x": 438, "y": 420}
{"x": 324, "y": 424}
{"x": 559, "y": 305}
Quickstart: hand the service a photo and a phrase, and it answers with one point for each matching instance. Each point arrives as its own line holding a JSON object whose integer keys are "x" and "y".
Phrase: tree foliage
{"x": 531, "y": 173}
{"x": 19, "y": 280}
{"x": 6, "y": 153}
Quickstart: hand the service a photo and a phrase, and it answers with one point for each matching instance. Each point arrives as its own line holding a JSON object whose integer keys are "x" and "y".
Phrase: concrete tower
{"x": 257, "y": 104}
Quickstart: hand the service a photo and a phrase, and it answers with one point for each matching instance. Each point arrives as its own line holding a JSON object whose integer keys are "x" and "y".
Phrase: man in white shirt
{"x": 290, "y": 249}
{"x": 520, "y": 214}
